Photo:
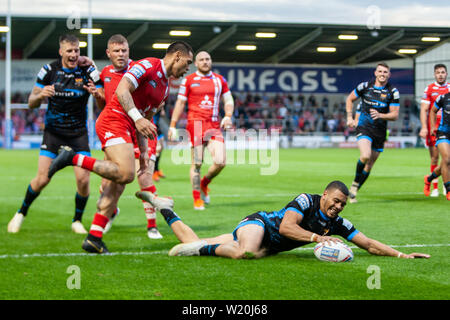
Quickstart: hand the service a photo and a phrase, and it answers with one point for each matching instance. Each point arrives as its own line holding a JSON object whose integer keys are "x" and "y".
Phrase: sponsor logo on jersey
{"x": 146, "y": 64}
{"x": 42, "y": 73}
{"x": 153, "y": 83}
{"x": 206, "y": 102}
{"x": 95, "y": 76}
{"x": 108, "y": 135}
{"x": 137, "y": 71}
{"x": 159, "y": 74}
{"x": 435, "y": 94}
{"x": 195, "y": 85}
{"x": 107, "y": 79}
{"x": 347, "y": 224}
{"x": 303, "y": 201}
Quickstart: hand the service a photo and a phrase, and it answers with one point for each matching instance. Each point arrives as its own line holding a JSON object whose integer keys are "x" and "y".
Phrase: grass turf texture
{"x": 391, "y": 209}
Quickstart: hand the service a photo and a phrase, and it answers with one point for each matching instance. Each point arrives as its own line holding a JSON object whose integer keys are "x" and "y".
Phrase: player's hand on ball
{"x": 327, "y": 239}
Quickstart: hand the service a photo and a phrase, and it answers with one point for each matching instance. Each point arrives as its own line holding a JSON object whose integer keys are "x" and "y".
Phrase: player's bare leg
{"x": 37, "y": 184}
{"x": 121, "y": 159}
{"x": 119, "y": 169}
{"x": 365, "y": 152}
{"x": 82, "y": 178}
{"x": 247, "y": 246}
{"x": 218, "y": 154}
{"x": 196, "y": 165}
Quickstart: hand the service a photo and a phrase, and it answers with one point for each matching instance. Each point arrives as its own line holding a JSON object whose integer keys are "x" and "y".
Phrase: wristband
{"x": 135, "y": 114}
{"x": 312, "y": 237}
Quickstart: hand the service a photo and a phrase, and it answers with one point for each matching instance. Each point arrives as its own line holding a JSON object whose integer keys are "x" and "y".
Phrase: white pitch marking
{"x": 80, "y": 254}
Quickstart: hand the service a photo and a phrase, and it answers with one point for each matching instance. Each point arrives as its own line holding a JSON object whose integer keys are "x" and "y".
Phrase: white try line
{"x": 164, "y": 252}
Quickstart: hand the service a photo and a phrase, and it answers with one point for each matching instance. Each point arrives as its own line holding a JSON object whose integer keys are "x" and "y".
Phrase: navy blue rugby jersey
{"x": 314, "y": 220}
{"x": 67, "y": 109}
{"x": 379, "y": 98}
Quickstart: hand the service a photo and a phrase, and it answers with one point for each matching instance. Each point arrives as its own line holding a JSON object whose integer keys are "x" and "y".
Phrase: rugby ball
{"x": 333, "y": 252}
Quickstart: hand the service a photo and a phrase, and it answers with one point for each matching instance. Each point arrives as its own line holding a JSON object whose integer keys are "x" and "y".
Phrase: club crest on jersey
{"x": 159, "y": 74}
{"x": 79, "y": 82}
{"x": 153, "y": 83}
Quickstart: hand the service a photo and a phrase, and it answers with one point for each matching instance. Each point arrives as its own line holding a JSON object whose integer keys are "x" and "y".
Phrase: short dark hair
{"x": 117, "y": 38}
{"x": 440, "y": 65}
{"x": 383, "y": 64}
{"x": 182, "y": 46}
{"x": 338, "y": 185}
{"x": 68, "y": 38}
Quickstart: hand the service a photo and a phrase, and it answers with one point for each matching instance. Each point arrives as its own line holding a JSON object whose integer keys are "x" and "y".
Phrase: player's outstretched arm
{"x": 380, "y": 249}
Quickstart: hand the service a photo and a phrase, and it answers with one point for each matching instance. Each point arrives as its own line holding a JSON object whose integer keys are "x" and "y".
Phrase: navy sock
{"x": 30, "y": 195}
{"x": 169, "y": 216}
{"x": 359, "y": 170}
{"x": 80, "y": 204}
{"x": 447, "y": 186}
{"x": 364, "y": 176}
{"x": 209, "y": 250}
{"x": 431, "y": 177}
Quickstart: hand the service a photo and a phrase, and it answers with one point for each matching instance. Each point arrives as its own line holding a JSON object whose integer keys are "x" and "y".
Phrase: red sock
{"x": 150, "y": 212}
{"x": 98, "y": 225}
{"x": 196, "y": 194}
{"x": 205, "y": 181}
{"x": 85, "y": 162}
{"x": 435, "y": 181}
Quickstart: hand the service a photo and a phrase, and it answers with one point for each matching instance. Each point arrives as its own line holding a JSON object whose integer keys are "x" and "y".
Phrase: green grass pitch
{"x": 35, "y": 262}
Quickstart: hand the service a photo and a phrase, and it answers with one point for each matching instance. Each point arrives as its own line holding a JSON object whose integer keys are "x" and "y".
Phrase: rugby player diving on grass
{"x": 306, "y": 219}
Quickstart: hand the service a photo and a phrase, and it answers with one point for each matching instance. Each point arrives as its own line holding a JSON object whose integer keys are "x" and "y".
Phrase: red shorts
{"x": 114, "y": 127}
{"x": 202, "y": 131}
{"x": 430, "y": 140}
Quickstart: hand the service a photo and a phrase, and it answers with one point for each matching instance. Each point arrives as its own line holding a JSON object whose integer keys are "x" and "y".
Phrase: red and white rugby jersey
{"x": 150, "y": 79}
{"x": 203, "y": 93}
{"x": 111, "y": 78}
{"x": 432, "y": 91}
